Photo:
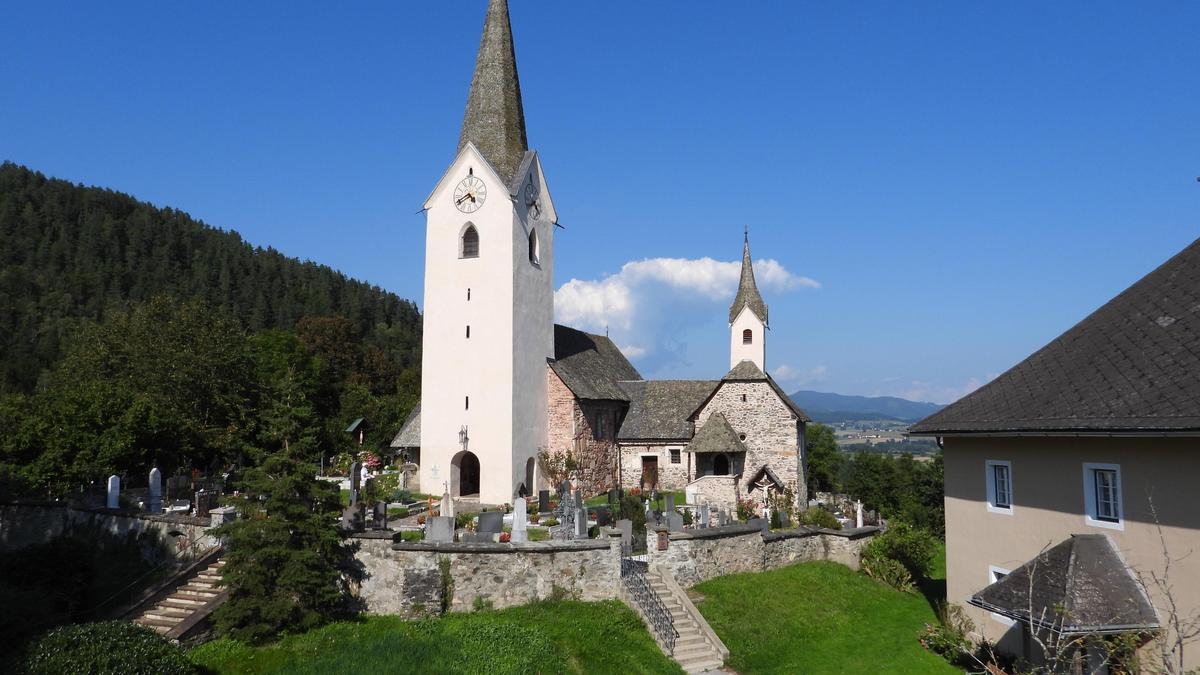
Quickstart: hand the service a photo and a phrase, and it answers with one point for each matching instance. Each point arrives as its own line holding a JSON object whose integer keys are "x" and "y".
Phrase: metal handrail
{"x": 633, "y": 576}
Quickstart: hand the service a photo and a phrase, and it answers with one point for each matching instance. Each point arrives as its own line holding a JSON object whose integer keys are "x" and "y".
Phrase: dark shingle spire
{"x": 747, "y": 290}
{"x": 494, "y": 120}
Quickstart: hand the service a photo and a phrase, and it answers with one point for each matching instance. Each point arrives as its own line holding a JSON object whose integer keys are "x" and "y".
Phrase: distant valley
{"x": 835, "y": 408}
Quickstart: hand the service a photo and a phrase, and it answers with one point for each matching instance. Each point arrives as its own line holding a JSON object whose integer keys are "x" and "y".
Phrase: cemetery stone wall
{"x": 24, "y": 524}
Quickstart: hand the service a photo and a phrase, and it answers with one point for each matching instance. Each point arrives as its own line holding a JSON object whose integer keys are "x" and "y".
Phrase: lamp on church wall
{"x": 463, "y": 438}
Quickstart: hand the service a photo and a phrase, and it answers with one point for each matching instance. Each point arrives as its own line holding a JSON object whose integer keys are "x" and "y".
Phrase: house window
{"x": 470, "y": 243}
{"x": 535, "y": 251}
{"x": 468, "y": 332}
{"x": 468, "y": 295}
{"x": 743, "y": 398}
{"x": 996, "y": 574}
{"x": 1102, "y": 496}
{"x": 675, "y": 456}
{"x": 998, "y": 475}
{"x": 747, "y": 337}
{"x": 466, "y": 403}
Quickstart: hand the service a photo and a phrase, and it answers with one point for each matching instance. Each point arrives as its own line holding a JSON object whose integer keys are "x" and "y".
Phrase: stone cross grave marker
{"x": 154, "y": 504}
{"x": 439, "y": 529}
{"x": 114, "y": 492}
{"x": 543, "y": 501}
{"x": 491, "y": 522}
{"x": 447, "y": 504}
{"x": 520, "y": 526}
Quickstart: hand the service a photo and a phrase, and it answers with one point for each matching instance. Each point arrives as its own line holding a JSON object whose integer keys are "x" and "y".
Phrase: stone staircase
{"x": 193, "y": 598}
{"x": 697, "y": 648}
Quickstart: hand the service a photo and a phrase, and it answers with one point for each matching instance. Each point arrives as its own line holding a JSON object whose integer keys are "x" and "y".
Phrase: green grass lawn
{"x": 547, "y": 637}
{"x": 818, "y": 617}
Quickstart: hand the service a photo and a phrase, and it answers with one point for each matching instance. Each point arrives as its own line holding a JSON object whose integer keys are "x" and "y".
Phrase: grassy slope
{"x": 818, "y": 618}
{"x": 552, "y": 637}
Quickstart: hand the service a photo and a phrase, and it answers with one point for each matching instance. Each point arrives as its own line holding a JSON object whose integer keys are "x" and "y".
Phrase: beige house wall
{"x": 670, "y": 476}
{"x": 1048, "y": 506}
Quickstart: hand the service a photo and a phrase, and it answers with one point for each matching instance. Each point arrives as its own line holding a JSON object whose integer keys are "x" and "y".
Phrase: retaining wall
{"x": 28, "y": 524}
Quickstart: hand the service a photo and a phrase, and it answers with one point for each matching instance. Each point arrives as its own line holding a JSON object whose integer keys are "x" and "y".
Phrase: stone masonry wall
{"x": 700, "y": 555}
{"x": 24, "y": 525}
{"x": 715, "y": 491}
{"x": 569, "y": 428}
{"x": 772, "y": 432}
{"x": 670, "y": 476}
{"x": 405, "y": 578}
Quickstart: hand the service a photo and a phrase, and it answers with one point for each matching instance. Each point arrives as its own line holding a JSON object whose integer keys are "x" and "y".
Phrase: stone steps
{"x": 192, "y": 595}
{"x": 693, "y": 650}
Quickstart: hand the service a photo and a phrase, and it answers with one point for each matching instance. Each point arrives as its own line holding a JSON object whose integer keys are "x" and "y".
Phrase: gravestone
{"x": 581, "y": 524}
{"x": 669, "y": 502}
{"x": 603, "y": 516}
{"x": 113, "y": 499}
{"x": 380, "y": 516}
{"x": 222, "y": 515}
{"x": 761, "y": 523}
{"x": 439, "y": 529}
{"x": 785, "y": 521}
{"x": 543, "y": 501}
{"x": 614, "y": 495}
{"x": 704, "y": 515}
{"x": 155, "y": 502}
{"x": 564, "y": 489}
{"x": 354, "y": 518}
{"x": 722, "y": 517}
{"x": 520, "y": 526}
{"x": 626, "y": 527}
{"x": 355, "y": 481}
{"x": 673, "y": 521}
{"x": 447, "y": 505}
{"x": 491, "y": 522}
{"x": 858, "y": 516}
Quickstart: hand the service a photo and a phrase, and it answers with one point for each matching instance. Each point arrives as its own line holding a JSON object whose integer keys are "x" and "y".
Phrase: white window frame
{"x": 989, "y": 477}
{"x": 993, "y": 570}
{"x": 1090, "y": 507}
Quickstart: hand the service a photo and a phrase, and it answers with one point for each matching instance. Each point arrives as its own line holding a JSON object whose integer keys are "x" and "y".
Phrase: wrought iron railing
{"x": 633, "y": 576}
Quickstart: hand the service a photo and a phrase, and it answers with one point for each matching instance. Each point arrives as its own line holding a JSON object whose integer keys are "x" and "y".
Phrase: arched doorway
{"x": 721, "y": 465}
{"x": 464, "y": 475}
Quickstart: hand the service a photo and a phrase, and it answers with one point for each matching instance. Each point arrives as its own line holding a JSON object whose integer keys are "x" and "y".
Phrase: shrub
{"x": 819, "y": 517}
{"x": 948, "y": 638}
{"x": 912, "y": 548}
{"x": 403, "y": 496}
{"x": 746, "y": 510}
{"x": 108, "y": 647}
{"x": 888, "y": 571}
{"x": 399, "y": 512}
{"x": 465, "y": 521}
{"x": 550, "y": 522}
{"x": 383, "y": 486}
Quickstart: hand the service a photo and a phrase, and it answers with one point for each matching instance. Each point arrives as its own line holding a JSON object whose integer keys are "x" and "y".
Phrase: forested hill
{"x": 70, "y": 253}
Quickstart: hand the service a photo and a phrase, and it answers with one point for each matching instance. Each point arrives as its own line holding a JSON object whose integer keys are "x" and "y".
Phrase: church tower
{"x": 488, "y": 326}
{"x": 748, "y": 318}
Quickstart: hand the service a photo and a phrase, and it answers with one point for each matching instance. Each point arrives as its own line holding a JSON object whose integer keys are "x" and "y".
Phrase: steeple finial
{"x": 747, "y": 294}
{"x": 495, "y": 119}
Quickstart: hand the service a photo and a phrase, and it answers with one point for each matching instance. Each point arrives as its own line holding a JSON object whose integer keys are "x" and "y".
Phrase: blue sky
{"x": 943, "y": 187}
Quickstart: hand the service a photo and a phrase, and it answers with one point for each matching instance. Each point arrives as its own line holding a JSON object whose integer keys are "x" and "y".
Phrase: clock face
{"x": 470, "y": 194}
{"x": 531, "y": 200}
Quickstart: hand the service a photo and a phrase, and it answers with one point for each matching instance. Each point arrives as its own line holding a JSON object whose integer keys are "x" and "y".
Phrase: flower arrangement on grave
{"x": 534, "y": 516}
{"x": 421, "y": 519}
{"x": 372, "y": 462}
{"x": 505, "y": 537}
{"x": 636, "y": 492}
{"x": 746, "y": 509}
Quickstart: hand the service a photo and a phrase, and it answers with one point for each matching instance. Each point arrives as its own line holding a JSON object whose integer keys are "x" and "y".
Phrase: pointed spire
{"x": 747, "y": 293}
{"x": 495, "y": 120}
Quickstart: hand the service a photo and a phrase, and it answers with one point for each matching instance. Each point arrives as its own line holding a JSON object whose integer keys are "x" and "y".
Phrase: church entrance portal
{"x": 464, "y": 479}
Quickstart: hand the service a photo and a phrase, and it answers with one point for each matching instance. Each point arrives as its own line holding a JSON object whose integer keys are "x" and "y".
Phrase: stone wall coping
{"x": 506, "y": 547}
{"x": 854, "y": 532}
{"x": 373, "y": 534}
{"x": 140, "y": 515}
{"x": 794, "y": 533}
{"x": 715, "y": 532}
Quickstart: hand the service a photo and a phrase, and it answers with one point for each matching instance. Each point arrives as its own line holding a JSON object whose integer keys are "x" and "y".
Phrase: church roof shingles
{"x": 591, "y": 365}
{"x": 1131, "y": 366}
{"x": 747, "y": 293}
{"x": 661, "y": 409}
{"x": 716, "y": 436}
{"x": 495, "y": 117}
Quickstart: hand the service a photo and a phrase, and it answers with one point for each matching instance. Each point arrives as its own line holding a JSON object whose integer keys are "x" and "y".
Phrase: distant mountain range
{"x": 828, "y": 408}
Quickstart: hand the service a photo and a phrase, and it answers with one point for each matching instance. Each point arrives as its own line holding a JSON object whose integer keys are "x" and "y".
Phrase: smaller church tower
{"x": 748, "y": 318}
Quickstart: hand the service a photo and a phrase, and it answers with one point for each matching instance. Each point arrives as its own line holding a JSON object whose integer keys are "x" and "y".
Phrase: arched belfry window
{"x": 470, "y": 243}
{"x": 747, "y": 337}
{"x": 535, "y": 251}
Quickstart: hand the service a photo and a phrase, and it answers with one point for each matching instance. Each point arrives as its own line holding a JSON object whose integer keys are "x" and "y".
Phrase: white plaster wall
{"x": 453, "y": 366}
{"x": 756, "y": 352}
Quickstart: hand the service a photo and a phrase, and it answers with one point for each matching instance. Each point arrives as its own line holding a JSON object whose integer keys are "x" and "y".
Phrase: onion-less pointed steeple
{"x": 495, "y": 120}
{"x": 747, "y": 294}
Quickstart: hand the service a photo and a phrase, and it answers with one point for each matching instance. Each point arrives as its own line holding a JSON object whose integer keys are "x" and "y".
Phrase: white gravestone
{"x": 114, "y": 492}
{"x": 520, "y": 523}
{"x": 858, "y": 514}
{"x": 155, "y": 505}
{"x": 447, "y": 505}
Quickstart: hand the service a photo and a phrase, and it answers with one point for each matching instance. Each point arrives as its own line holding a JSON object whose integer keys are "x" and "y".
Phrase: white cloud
{"x": 796, "y": 377}
{"x": 657, "y": 285}
{"x": 935, "y": 392}
{"x": 633, "y": 351}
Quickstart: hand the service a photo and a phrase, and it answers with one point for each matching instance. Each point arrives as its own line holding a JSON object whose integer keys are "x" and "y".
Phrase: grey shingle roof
{"x": 495, "y": 118}
{"x": 1132, "y": 365}
{"x": 409, "y": 435}
{"x": 590, "y": 365}
{"x": 661, "y": 409}
{"x": 1082, "y": 585}
{"x": 747, "y": 293}
{"x": 716, "y": 436}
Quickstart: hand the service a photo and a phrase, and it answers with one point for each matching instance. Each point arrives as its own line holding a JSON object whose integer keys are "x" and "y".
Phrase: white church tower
{"x": 748, "y": 318}
{"x": 489, "y": 303}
